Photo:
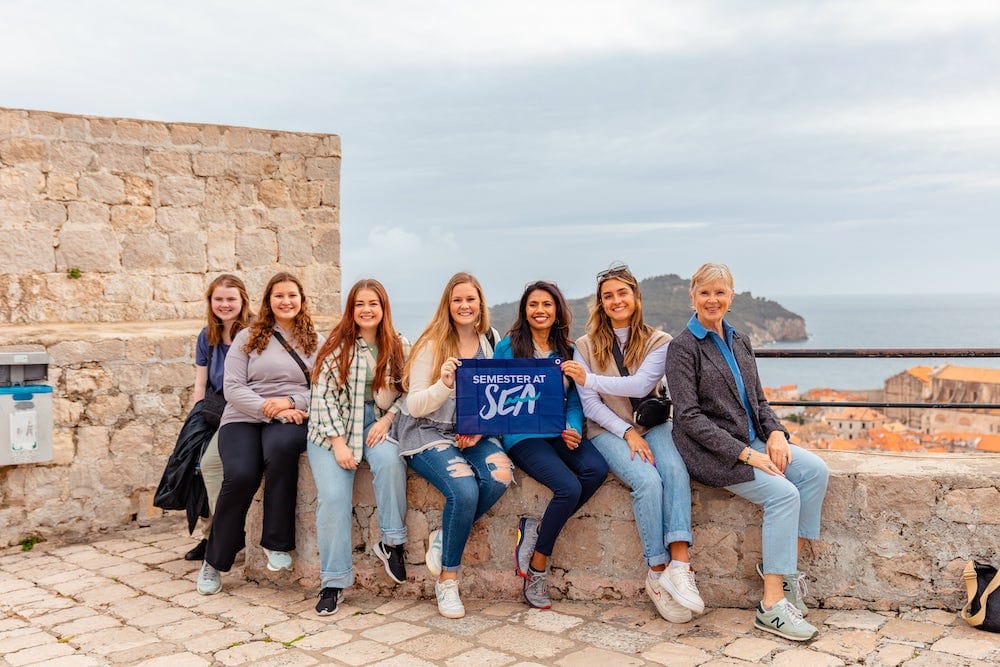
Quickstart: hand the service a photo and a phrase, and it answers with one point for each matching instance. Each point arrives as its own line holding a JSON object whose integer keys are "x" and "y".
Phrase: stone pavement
{"x": 128, "y": 598}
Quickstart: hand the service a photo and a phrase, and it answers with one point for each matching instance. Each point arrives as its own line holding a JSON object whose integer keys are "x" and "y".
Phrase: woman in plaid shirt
{"x": 356, "y": 394}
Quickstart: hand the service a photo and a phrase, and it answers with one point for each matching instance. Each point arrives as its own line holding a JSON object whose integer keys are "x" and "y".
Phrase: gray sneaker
{"x": 784, "y": 620}
{"x": 527, "y": 536}
{"x": 209, "y": 580}
{"x": 794, "y": 586}
{"x": 536, "y": 590}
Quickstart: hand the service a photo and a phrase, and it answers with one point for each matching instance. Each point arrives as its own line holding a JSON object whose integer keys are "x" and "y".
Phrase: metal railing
{"x": 880, "y": 353}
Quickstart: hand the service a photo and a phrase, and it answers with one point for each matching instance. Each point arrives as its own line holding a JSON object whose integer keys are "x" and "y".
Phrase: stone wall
{"x": 111, "y": 229}
{"x": 896, "y": 533}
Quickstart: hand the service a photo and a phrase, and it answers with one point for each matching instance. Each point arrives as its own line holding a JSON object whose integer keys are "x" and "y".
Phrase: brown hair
{"x": 600, "y": 331}
{"x": 440, "y": 333}
{"x": 303, "y": 331}
{"x": 342, "y": 337}
{"x": 213, "y": 323}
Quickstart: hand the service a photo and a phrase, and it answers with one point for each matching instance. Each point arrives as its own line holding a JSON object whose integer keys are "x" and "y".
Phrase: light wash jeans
{"x": 334, "y": 503}
{"x": 792, "y": 506}
{"x": 661, "y": 495}
{"x": 471, "y": 481}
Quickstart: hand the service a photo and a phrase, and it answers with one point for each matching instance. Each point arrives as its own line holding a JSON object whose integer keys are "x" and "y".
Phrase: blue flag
{"x": 497, "y": 396}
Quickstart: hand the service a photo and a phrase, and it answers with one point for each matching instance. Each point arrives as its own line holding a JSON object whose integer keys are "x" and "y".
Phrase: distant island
{"x": 667, "y": 306}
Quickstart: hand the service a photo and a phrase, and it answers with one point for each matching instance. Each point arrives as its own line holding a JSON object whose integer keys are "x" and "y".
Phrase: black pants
{"x": 249, "y": 452}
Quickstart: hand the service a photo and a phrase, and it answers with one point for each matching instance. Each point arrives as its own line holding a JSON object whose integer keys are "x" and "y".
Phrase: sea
{"x": 852, "y": 321}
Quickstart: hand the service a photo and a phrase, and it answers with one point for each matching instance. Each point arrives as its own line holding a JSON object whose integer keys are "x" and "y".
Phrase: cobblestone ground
{"x": 129, "y": 599}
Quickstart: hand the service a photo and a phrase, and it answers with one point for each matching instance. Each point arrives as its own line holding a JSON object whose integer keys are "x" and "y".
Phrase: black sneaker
{"x": 328, "y": 599}
{"x": 198, "y": 553}
{"x": 392, "y": 558}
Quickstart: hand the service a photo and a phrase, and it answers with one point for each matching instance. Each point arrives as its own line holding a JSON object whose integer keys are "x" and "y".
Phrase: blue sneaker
{"x": 794, "y": 586}
{"x": 278, "y": 560}
{"x": 784, "y": 620}
{"x": 209, "y": 580}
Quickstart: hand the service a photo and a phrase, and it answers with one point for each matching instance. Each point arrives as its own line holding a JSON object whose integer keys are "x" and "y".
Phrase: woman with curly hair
{"x": 263, "y": 429}
{"x": 357, "y": 393}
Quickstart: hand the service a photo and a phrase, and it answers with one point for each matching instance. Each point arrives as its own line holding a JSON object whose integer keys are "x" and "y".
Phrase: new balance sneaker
{"x": 678, "y": 580}
{"x": 527, "y": 536}
{"x": 209, "y": 580}
{"x": 392, "y": 559}
{"x": 433, "y": 556}
{"x": 329, "y": 598}
{"x": 666, "y": 605}
{"x": 536, "y": 590}
{"x": 198, "y": 553}
{"x": 794, "y": 586}
{"x": 449, "y": 603}
{"x": 278, "y": 560}
{"x": 784, "y": 620}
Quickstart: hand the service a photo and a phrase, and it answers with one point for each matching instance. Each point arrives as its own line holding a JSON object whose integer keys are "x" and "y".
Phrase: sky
{"x": 815, "y": 147}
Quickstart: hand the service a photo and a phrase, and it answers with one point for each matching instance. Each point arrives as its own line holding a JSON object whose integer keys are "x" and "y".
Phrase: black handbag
{"x": 212, "y": 407}
{"x": 649, "y": 411}
{"x": 982, "y": 582}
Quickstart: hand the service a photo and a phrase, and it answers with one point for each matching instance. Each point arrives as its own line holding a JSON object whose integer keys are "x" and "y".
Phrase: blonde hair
{"x": 602, "y": 334}
{"x": 710, "y": 272}
{"x": 440, "y": 334}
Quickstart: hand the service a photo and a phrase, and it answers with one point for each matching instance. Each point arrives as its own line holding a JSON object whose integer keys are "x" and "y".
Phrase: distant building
{"x": 911, "y": 386}
{"x": 851, "y": 423}
{"x": 946, "y": 384}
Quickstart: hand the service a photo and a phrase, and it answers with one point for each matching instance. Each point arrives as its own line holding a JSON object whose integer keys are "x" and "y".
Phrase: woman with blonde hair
{"x": 263, "y": 429}
{"x": 469, "y": 469}
{"x": 730, "y": 437}
{"x": 356, "y": 395}
{"x": 622, "y": 358}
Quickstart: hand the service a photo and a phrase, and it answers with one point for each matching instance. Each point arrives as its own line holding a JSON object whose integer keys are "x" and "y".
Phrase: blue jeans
{"x": 573, "y": 475}
{"x": 661, "y": 494}
{"x": 471, "y": 481}
{"x": 792, "y": 506}
{"x": 334, "y": 502}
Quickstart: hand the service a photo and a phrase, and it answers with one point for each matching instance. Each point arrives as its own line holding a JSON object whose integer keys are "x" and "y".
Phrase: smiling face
{"x": 464, "y": 306}
{"x": 540, "y": 311}
{"x": 285, "y": 302}
{"x": 618, "y": 302}
{"x": 711, "y": 301}
{"x": 367, "y": 310}
{"x": 226, "y": 303}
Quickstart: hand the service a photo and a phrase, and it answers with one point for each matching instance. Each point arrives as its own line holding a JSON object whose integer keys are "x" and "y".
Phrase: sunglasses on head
{"x": 617, "y": 268}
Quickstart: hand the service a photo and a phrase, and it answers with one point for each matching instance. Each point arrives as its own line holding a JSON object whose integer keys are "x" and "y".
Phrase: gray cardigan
{"x": 710, "y": 423}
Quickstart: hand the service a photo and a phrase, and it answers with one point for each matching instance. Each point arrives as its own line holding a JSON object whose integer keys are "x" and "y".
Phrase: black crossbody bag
{"x": 295, "y": 355}
{"x": 650, "y": 411}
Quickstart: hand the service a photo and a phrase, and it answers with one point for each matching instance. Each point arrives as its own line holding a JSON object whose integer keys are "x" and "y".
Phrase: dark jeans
{"x": 573, "y": 475}
{"x": 249, "y": 452}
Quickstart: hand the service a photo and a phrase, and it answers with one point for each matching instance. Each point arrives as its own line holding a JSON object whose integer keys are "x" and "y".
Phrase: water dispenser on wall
{"x": 25, "y": 408}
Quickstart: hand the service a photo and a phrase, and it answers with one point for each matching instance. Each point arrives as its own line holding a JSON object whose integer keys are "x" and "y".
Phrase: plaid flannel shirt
{"x": 339, "y": 410}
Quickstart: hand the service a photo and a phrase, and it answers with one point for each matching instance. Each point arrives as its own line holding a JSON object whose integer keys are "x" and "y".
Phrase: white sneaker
{"x": 679, "y": 582}
{"x": 666, "y": 605}
{"x": 449, "y": 603}
{"x": 278, "y": 560}
{"x": 209, "y": 580}
{"x": 433, "y": 556}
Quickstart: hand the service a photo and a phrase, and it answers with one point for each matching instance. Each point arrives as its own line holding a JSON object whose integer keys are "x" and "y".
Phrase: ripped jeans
{"x": 471, "y": 481}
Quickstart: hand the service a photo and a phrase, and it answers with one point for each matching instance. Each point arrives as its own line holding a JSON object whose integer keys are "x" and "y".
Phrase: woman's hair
{"x": 521, "y": 342}
{"x": 303, "y": 332}
{"x": 213, "y": 323}
{"x": 600, "y": 331}
{"x": 710, "y": 272}
{"x": 440, "y": 334}
{"x": 340, "y": 342}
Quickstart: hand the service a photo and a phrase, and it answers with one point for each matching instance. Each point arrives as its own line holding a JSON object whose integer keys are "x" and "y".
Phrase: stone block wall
{"x": 896, "y": 533}
{"x": 110, "y": 230}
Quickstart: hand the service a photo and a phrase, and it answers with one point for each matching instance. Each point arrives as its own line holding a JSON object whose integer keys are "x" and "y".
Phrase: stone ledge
{"x": 896, "y": 532}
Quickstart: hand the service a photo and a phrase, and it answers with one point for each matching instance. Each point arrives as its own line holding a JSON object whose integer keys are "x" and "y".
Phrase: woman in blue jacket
{"x": 565, "y": 462}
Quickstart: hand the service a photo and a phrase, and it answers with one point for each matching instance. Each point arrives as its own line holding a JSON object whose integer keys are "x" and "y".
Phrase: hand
{"x": 273, "y": 406}
{"x": 343, "y": 454}
{"x": 574, "y": 369}
{"x": 779, "y": 451}
{"x": 464, "y": 441}
{"x": 639, "y": 446}
{"x": 572, "y": 438}
{"x": 448, "y": 371}
{"x": 764, "y": 463}
{"x": 379, "y": 430}
{"x": 291, "y": 415}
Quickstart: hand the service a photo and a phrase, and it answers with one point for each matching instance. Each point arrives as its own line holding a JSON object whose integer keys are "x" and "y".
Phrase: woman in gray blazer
{"x": 728, "y": 436}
